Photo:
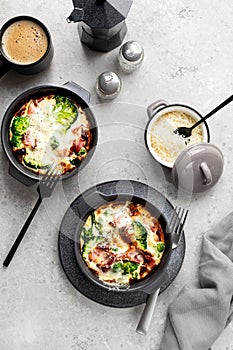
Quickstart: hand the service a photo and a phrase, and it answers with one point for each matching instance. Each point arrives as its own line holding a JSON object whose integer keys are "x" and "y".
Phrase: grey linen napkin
{"x": 198, "y": 316}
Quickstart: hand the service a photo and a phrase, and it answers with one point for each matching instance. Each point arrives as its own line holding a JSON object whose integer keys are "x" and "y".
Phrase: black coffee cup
{"x": 6, "y": 63}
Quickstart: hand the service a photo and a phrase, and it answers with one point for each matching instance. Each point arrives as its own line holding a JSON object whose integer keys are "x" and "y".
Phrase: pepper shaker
{"x": 108, "y": 85}
{"x": 130, "y": 56}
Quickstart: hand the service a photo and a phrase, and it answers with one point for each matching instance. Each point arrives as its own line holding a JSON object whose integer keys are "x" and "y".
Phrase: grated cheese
{"x": 167, "y": 144}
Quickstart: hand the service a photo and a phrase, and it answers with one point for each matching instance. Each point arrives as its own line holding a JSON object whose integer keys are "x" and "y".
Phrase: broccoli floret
{"x": 115, "y": 249}
{"x": 89, "y": 239}
{"x": 66, "y": 111}
{"x": 16, "y": 140}
{"x": 20, "y": 125}
{"x": 135, "y": 275}
{"x": 117, "y": 266}
{"x": 160, "y": 247}
{"x": 54, "y": 143}
{"x": 85, "y": 252}
{"x": 140, "y": 234}
{"x": 96, "y": 223}
{"x": 82, "y": 152}
{"x": 87, "y": 234}
{"x": 32, "y": 163}
{"x": 127, "y": 267}
{"x": 86, "y": 249}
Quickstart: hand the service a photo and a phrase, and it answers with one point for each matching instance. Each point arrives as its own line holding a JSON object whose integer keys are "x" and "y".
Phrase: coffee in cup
{"x": 25, "y": 46}
{"x": 24, "y": 42}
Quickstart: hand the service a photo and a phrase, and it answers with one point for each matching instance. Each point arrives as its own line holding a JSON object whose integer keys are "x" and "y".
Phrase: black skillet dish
{"x": 70, "y": 90}
{"x": 96, "y": 199}
{"x": 75, "y": 268}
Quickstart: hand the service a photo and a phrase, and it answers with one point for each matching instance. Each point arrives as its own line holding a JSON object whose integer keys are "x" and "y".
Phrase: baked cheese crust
{"x": 50, "y": 130}
{"x": 122, "y": 243}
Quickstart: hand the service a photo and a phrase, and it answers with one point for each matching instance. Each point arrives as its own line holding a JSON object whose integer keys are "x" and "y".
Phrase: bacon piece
{"x": 133, "y": 255}
{"x": 156, "y": 228}
{"x": 125, "y": 235}
{"x": 85, "y": 134}
{"x": 31, "y": 108}
{"x": 77, "y": 145}
{"x": 133, "y": 209}
{"x": 149, "y": 261}
{"x": 148, "y": 266}
{"x": 105, "y": 267}
{"x": 102, "y": 258}
{"x": 143, "y": 271}
{"x": 21, "y": 111}
{"x": 28, "y": 140}
{"x": 159, "y": 234}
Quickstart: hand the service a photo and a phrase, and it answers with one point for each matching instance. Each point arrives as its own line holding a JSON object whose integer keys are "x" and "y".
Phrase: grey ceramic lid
{"x": 198, "y": 168}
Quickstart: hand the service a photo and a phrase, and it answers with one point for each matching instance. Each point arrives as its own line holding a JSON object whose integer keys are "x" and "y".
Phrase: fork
{"x": 186, "y": 132}
{"x": 177, "y": 222}
{"x": 44, "y": 189}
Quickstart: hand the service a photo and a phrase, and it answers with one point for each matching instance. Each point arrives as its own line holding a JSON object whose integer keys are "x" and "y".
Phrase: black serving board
{"x": 66, "y": 243}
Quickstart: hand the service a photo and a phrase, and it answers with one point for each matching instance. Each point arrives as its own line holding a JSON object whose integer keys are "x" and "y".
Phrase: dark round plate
{"x": 66, "y": 245}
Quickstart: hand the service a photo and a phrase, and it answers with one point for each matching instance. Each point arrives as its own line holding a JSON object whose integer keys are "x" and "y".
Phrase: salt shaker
{"x": 108, "y": 85}
{"x": 130, "y": 56}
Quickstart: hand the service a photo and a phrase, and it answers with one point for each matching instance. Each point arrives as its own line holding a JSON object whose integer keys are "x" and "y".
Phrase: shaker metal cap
{"x": 132, "y": 51}
{"x": 198, "y": 168}
{"x": 108, "y": 85}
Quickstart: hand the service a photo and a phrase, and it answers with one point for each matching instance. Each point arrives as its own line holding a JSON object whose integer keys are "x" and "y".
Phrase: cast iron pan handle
{"x": 20, "y": 177}
{"x": 4, "y": 66}
{"x": 84, "y": 94}
{"x": 93, "y": 200}
{"x": 147, "y": 314}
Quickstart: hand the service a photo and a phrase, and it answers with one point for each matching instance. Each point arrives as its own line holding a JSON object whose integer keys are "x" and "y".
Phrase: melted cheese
{"x": 43, "y": 128}
{"x": 114, "y": 241}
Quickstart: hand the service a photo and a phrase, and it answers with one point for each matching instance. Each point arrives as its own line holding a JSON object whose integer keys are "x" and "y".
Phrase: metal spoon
{"x": 186, "y": 132}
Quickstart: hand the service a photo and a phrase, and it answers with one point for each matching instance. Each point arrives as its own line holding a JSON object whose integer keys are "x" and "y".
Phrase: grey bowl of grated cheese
{"x": 162, "y": 142}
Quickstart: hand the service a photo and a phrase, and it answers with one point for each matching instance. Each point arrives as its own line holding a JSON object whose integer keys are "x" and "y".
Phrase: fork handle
{"x": 216, "y": 109}
{"x": 22, "y": 233}
{"x": 147, "y": 314}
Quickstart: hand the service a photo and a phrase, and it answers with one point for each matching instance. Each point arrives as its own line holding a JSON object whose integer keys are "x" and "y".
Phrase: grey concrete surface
{"x": 188, "y": 59}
